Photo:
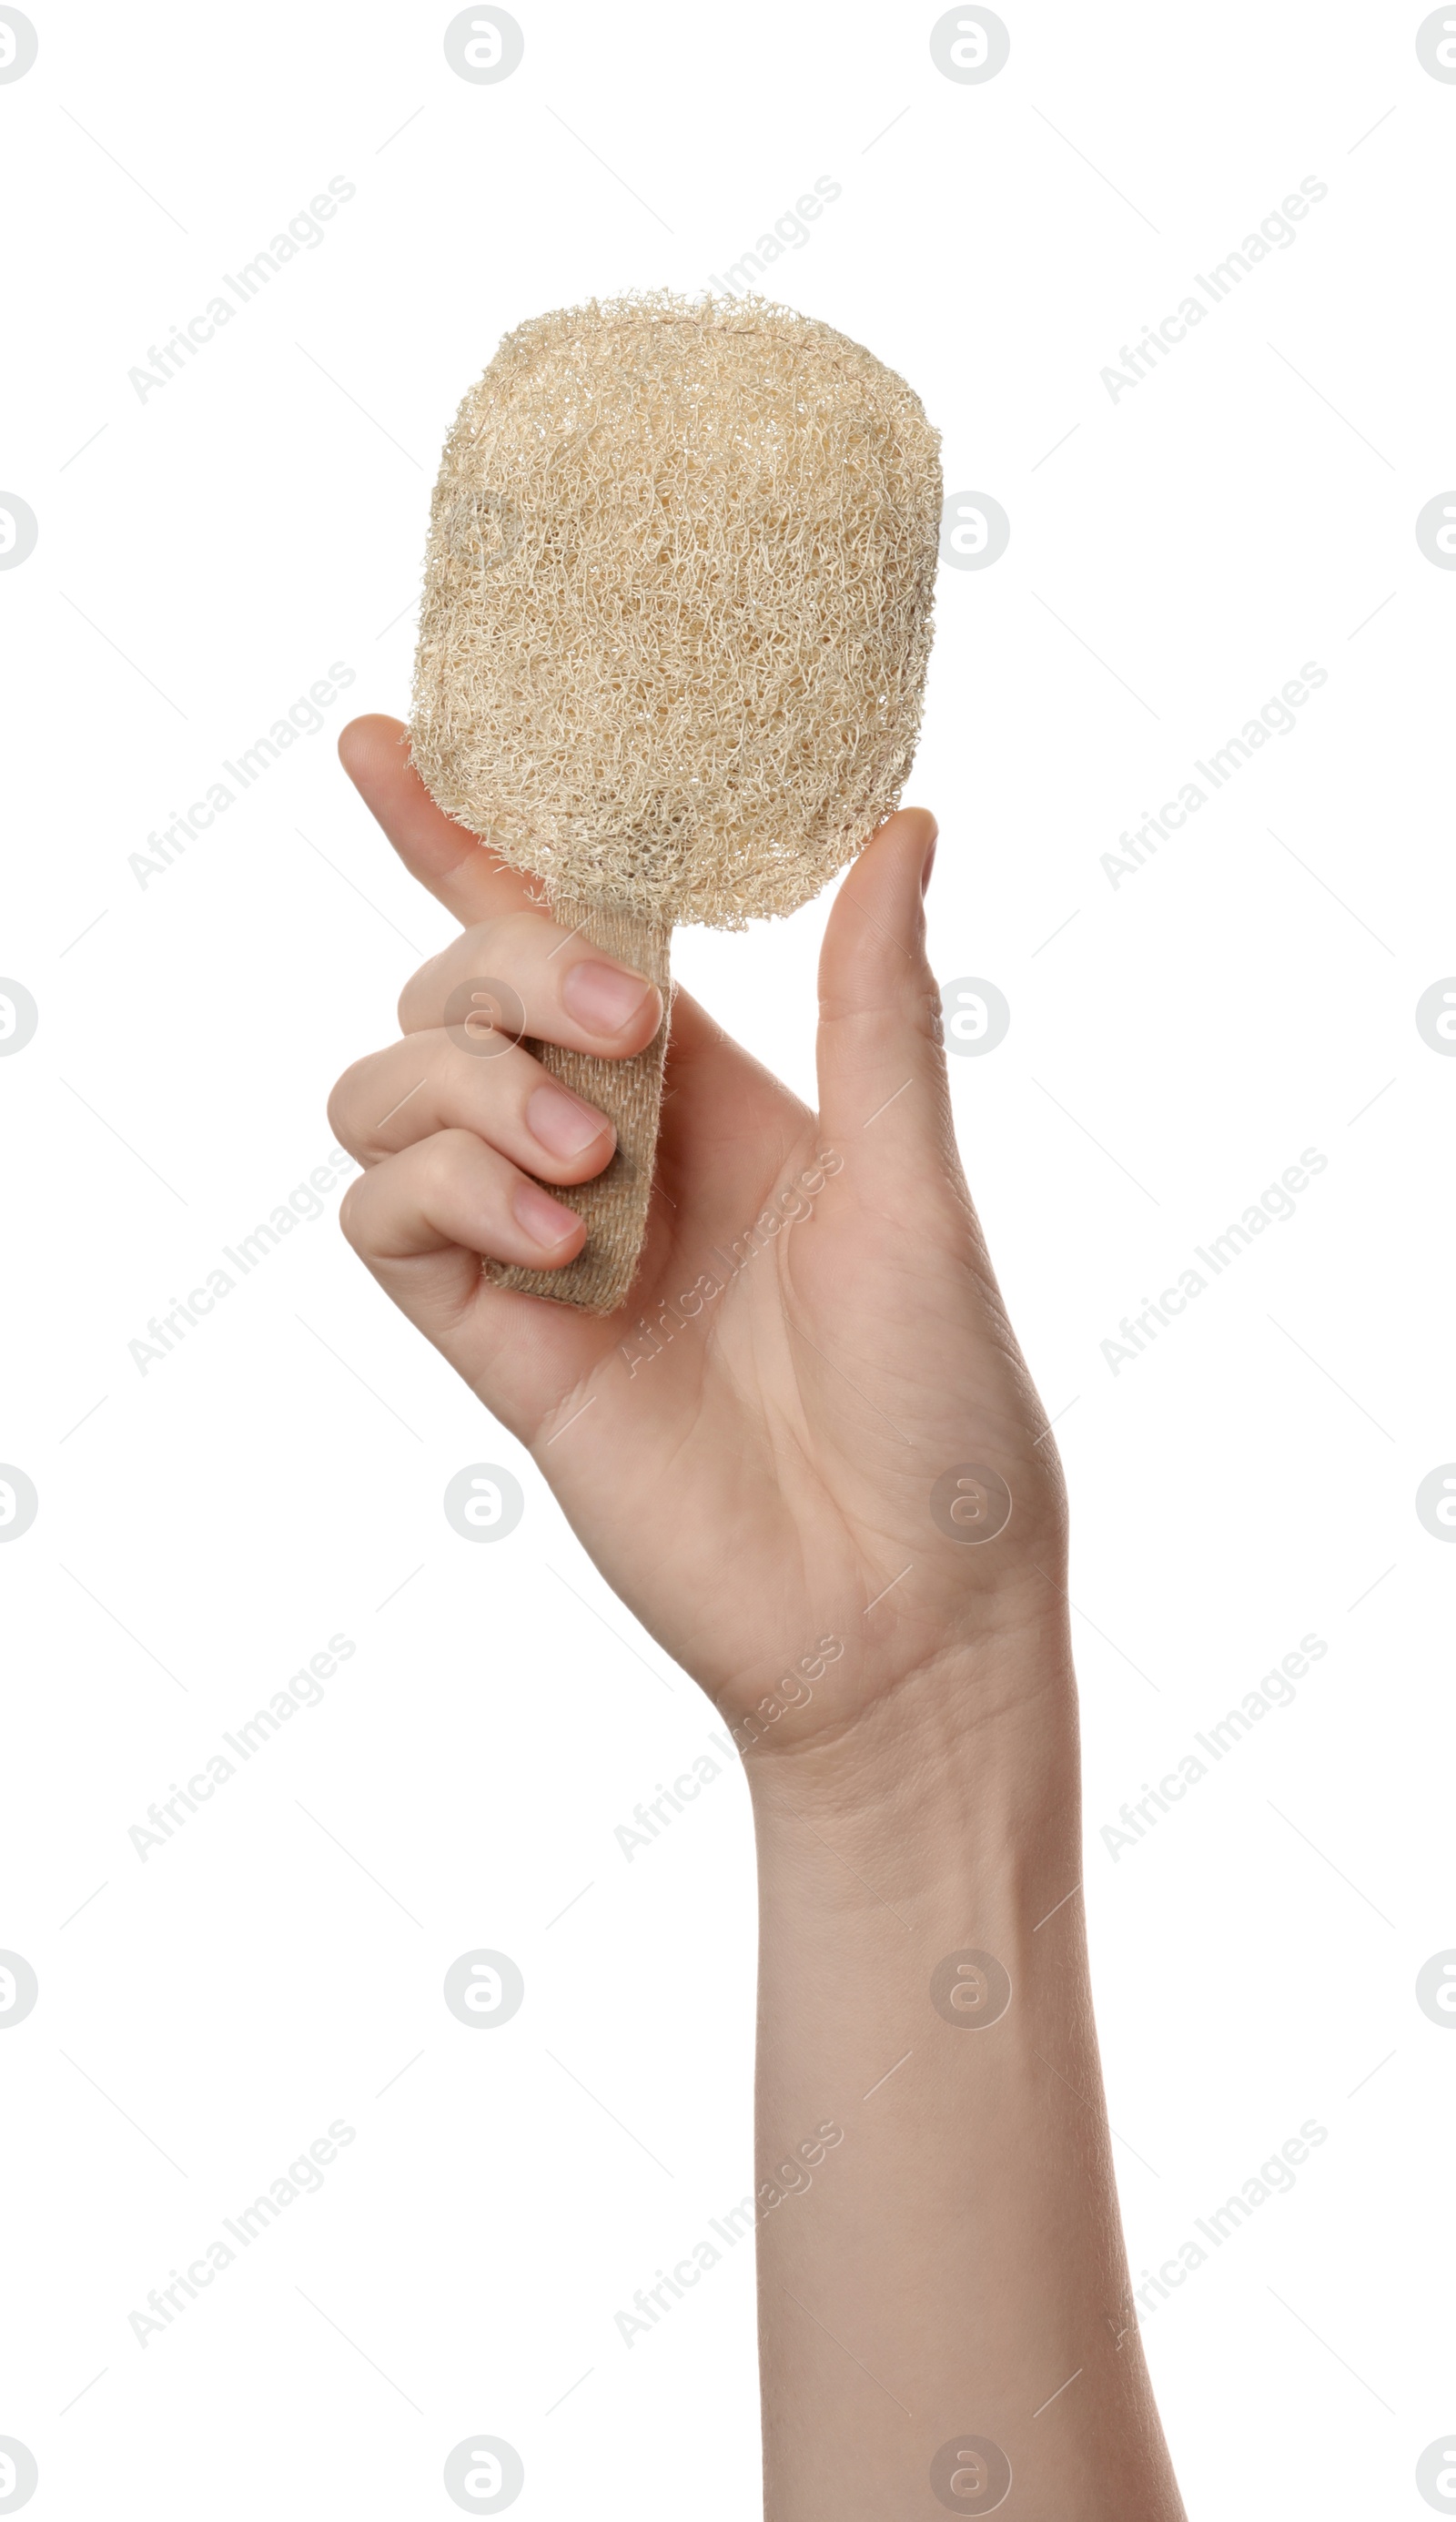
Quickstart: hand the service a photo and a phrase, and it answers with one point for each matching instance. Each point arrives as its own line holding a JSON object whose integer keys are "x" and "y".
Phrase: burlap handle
{"x": 629, "y": 1093}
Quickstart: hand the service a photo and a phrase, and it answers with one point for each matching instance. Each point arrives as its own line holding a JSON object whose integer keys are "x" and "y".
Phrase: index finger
{"x": 469, "y": 878}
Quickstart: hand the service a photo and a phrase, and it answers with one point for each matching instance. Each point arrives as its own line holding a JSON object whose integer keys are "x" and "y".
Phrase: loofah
{"x": 672, "y": 649}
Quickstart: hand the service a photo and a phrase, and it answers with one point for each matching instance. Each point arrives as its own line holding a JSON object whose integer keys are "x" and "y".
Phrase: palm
{"x": 777, "y": 1448}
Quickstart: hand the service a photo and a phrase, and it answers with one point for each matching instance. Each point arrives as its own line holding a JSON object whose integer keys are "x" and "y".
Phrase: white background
{"x": 1177, "y": 1040}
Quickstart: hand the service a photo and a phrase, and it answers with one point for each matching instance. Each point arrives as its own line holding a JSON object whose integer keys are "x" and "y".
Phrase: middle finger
{"x": 551, "y": 983}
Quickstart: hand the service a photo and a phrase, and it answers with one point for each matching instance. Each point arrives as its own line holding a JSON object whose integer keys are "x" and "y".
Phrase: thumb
{"x": 883, "y": 1099}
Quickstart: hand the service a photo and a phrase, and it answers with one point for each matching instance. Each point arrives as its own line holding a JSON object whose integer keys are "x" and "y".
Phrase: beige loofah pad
{"x": 672, "y": 649}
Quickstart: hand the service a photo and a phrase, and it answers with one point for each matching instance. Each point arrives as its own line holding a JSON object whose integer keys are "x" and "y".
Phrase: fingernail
{"x": 927, "y": 868}
{"x": 563, "y": 1126}
{"x": 544, "y": 1219}
{"x": 602, "y": 997}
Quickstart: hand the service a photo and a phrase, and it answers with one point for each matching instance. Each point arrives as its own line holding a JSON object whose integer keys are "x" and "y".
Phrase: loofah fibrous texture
{"x": 672, "y": 649}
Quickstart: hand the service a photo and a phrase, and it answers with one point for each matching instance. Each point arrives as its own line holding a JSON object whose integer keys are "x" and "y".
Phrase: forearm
{"x": 936, "y": 2281}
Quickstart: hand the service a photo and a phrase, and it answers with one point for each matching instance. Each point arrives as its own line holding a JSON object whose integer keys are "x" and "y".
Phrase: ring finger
{"x": 395, "y": 1097}
{"x": 451, "y": 1195}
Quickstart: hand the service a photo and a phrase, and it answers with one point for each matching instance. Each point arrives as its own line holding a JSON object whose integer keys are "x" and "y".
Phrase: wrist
{"x": 965, "y": 1775}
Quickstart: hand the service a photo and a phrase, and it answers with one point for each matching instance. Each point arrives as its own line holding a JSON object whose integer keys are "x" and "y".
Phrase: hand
{"x": 748, "y": 1450}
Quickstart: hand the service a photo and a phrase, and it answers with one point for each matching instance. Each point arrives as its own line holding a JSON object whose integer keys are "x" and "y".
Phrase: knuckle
{"x": 337, "y": 1110}
{"x": 437, "y": 1164}
{"x": 514, "y": 929}
{"x": 351, "y": 1217}
{"x": 423, "y": 987}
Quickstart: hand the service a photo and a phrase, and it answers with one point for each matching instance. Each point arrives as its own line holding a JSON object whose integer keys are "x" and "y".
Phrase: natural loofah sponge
{"x": 673, "y": 648}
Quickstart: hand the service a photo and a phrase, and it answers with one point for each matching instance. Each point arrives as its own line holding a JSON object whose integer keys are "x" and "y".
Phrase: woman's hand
{"x": 791, "y": 1454}
{"x": 751, "y": 1450}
